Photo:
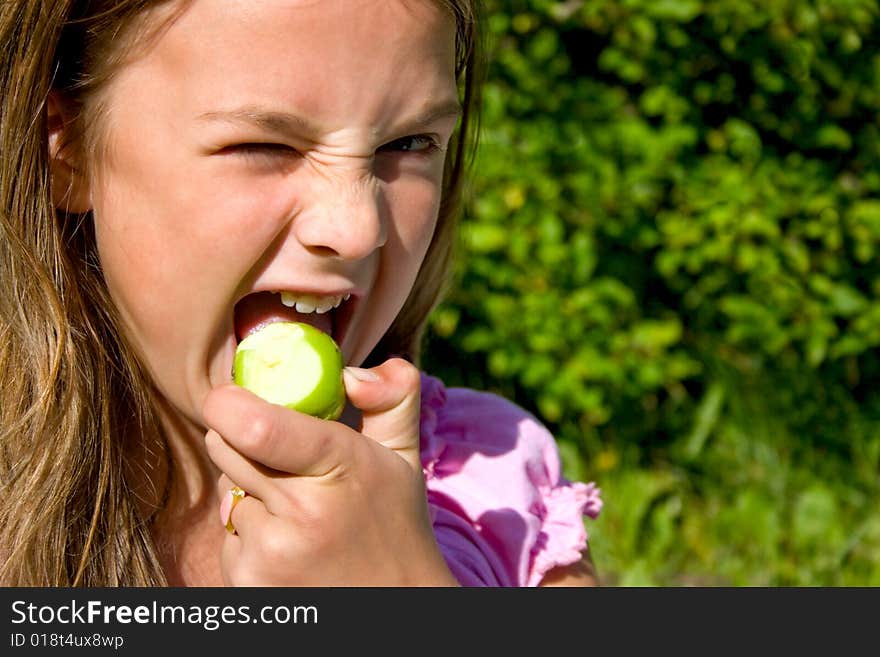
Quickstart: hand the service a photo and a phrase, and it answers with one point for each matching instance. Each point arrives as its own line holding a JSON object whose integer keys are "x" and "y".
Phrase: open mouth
{"x": 327, "y": 313}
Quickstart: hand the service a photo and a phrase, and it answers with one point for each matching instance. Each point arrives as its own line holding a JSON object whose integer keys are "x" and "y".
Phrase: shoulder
{"x": 485, "y": 422}
{"x": 494, "y": 482}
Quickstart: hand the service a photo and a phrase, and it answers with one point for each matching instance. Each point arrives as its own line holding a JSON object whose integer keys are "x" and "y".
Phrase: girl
{"x": 167, "y": 168}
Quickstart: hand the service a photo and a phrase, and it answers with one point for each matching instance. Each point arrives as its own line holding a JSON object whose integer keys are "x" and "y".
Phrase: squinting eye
{"x": 413, "y": 143}
{"x": 260, "y": 148}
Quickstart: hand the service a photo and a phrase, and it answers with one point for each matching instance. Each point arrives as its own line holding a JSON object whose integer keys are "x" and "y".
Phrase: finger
{"x": 389, "y": 397}
{"x": 255, "y": 478}
{"x": 275, "y": 436}
{"x": 230, "y": 558}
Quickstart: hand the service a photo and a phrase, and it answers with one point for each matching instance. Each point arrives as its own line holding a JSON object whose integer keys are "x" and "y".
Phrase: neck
{"x": 180, "y": 492}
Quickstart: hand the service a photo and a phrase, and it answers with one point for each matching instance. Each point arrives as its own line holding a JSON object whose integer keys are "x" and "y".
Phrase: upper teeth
{"x": 309, "y": 303}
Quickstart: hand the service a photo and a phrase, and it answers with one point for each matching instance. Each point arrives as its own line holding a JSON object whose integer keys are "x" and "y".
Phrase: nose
{"x": 346, "y": 221}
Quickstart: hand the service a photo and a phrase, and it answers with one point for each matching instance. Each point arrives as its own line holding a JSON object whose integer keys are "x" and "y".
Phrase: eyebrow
{"x": 289, "y": 124}
{"x": 450, "y": 109}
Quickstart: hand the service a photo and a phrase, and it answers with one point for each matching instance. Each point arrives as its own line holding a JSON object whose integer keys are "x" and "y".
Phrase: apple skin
{"x": 294, "y": 365}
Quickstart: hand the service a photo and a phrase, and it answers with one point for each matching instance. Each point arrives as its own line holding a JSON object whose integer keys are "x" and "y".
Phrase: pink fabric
{"x": 502, "y": 513}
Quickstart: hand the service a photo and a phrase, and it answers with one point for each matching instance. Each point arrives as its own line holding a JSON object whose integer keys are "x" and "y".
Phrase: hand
{"x": 326, "y": 505}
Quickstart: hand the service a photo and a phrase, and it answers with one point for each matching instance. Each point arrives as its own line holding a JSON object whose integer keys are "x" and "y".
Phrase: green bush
{"x": 670, "y": 257}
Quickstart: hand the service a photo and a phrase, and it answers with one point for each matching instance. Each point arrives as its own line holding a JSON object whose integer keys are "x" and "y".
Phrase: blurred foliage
{"x": 671, "y": 258}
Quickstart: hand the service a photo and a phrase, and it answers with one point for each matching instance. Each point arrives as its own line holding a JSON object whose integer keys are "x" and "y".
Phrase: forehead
{"x": 336, "y": 61}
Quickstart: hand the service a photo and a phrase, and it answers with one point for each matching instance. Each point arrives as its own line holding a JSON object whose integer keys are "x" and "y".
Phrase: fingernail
{"x": 361, "y": 374}
{"x": 226, "y": 508}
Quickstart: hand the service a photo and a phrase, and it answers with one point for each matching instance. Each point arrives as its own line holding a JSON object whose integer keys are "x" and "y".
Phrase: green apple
{"x": 294, "y": 365}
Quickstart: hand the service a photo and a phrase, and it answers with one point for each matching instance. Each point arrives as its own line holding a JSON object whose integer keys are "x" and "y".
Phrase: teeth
{"x": 325, "y": 304}
{"x": 308, "y": 303}
{"x": 288, "y": 299}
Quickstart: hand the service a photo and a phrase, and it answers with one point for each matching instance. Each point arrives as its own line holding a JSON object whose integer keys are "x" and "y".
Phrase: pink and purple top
{"x": 502, "y": 513}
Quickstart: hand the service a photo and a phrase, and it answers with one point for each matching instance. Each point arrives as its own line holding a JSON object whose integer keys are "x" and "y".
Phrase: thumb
{"x": 388, "y": 396}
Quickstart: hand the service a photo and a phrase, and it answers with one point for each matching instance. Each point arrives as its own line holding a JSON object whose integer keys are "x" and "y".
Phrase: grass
{"x": 747, "y": 497}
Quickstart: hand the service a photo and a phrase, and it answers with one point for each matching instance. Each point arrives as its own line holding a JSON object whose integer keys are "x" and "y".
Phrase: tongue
{"x": 257, "y": 310}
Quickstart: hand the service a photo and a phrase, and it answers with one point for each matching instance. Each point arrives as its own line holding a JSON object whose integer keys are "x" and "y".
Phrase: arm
{"x": 503, "y": 508}
{"x": 580, "y": 573}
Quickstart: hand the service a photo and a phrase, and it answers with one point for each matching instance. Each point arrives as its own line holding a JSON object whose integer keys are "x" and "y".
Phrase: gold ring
{"x": 237, "y": 496}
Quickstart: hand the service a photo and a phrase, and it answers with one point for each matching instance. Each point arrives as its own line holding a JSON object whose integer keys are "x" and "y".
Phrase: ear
{"x": 70, "y": 189}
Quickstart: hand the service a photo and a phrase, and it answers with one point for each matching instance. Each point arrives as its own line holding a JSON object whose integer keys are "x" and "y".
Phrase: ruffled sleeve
{"x": 502, "y": 513}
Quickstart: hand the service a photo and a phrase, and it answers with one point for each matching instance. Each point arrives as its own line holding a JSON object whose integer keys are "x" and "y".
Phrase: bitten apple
{"x": 294, "y": 365}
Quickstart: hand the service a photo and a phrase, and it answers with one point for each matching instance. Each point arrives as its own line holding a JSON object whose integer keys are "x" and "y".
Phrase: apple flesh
{"x": 294, "y": 365}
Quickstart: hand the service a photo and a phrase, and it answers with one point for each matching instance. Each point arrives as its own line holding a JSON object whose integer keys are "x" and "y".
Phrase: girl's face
{"x": 280, "y": 145}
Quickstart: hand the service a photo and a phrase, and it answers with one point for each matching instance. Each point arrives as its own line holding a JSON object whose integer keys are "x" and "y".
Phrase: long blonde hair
{"x": 73, "y": 394}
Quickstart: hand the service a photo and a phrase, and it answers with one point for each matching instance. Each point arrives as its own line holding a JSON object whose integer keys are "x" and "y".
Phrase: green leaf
{"x": 705, "y": 419}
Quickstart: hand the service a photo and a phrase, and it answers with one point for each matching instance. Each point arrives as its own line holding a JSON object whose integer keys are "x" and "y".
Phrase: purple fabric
{"x": 502, "y": 513}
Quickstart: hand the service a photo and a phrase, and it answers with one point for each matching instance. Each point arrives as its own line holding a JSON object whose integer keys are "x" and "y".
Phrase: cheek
{"x": 414, "y": 209}
{"x": 174, "y": 250}
{"x": 413, "y": 212}
{"x": 179, "y": 237}
{"x": 415, "y": 220}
